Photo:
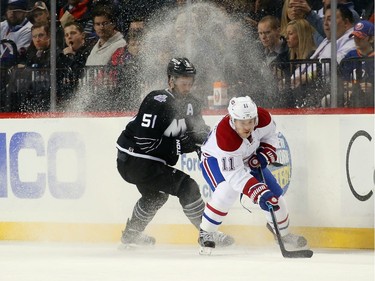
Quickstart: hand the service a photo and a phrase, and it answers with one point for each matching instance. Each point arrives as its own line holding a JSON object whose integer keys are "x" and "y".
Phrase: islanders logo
{"x": 282, "y": 169}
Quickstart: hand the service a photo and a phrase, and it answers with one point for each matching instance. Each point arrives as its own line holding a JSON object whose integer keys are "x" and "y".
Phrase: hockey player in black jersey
{"x": 168, "y": 124}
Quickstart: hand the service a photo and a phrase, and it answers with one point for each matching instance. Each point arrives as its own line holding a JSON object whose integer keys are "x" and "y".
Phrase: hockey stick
{"x": 284, "y": 252}
{"x": 277, "y": 164}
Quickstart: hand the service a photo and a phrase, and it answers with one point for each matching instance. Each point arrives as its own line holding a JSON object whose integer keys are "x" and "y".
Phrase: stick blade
{"x": 297, "y": 254}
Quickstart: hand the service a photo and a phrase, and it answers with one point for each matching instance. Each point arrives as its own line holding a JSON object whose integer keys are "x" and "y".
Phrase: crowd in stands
{"x": 98, "y": 46}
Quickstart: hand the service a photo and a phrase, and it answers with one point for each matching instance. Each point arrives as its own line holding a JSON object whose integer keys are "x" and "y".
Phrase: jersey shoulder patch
{"x": 161, "y": 98}
{"x": 264, "y": 118}
{"x": 226, "y": 136}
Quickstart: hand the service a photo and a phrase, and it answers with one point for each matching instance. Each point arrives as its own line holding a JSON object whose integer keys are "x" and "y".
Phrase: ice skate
{"x": 291, "y": 240}
{"x": 222, "y": 240}
{"x": 206, "y": 242}
{"x": 133, "y": 238}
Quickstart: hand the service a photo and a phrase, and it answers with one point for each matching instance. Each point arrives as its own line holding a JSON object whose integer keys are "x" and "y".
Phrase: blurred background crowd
{"x": 109, "y": 53}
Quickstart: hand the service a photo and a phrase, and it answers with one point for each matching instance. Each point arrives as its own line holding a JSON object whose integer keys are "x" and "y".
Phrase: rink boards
{"x": 58, "y": 181}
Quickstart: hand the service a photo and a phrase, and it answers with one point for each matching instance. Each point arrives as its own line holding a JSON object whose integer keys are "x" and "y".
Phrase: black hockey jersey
{"x": 162, "y": 121}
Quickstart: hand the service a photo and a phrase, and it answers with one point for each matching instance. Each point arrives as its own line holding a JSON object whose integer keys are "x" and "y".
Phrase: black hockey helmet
{"x": 181, "y": 67}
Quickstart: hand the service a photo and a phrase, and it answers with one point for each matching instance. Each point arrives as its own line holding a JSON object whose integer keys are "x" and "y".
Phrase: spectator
{"x": 125, "y": 55}
{"x": 275, "y": 45}
{"x": 299, "y": 36}
{"x": 344, "y": 22}
{"x": 15, "y": 33}
{"x": 357, "y": 68}
{"x": 276, "y": 55}
{"x": 315, "y": 19}
{"x": 72, "y": 60}
{"x": 291, "y": 11}
{"x": 301, "y": 47}
{"x": 77, "y": 10}
{"x": 40, "y": 15}
{"x": 102, "y": 86}
{"x": 38, "y": 55}
{"x": 16, "y": 26}
{"x": 126, "y": 61}
{"x": 109, "y": 38}
{"x": 31, "y": 85}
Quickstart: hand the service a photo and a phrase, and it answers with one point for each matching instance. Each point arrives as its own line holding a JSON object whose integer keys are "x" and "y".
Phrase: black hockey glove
{"x": 188, "y": 144}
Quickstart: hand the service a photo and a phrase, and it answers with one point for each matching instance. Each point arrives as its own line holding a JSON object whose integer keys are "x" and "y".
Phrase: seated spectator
{"x": 301, "y": 46}
{"x": 109, "y": 38}
{"x": 99, "y": 85}
{"x": 30, "y": 87}
{"x": 275, "y": 45}
{"x": 40, "y": 15}
{"x": 79, "y": 11}
{"x": 292, "y": 12}
{"x": 299, "y": 36}
{"x": 275, "y": 54}
{"x": 128, "y": 84}
{"x": 129, "y": 53}
{"x": 38, "y": 54}
{"x": 344, "y": 23}
{"x": 16, "y": 26}
{"x": 357, "y": 68}
{"x": 72, "y": 60}
{"x": 315, "y": 19}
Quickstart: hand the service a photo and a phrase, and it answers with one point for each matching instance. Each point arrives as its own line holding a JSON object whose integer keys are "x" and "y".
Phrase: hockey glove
{"x": 265, "y": 155}
{"x": 260, "y": 194}
{"x": 189, "y": 143}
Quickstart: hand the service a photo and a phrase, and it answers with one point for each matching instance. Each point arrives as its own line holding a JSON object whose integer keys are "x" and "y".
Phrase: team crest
{"x": 160, "y": 98}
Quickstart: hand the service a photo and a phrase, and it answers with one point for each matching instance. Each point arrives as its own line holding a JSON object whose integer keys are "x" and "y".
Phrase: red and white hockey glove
{"x": 260, "y": 194}
{"x": 265, "y": 155}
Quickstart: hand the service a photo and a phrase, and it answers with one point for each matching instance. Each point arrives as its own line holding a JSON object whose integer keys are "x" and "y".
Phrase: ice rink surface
{"x": 24, "y": 261}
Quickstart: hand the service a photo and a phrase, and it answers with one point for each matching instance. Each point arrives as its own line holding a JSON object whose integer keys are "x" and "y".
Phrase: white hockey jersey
{"x": 233, "y": 152}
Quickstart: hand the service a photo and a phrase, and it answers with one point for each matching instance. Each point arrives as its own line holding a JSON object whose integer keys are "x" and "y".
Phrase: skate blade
{"x": 205, "y": 251}
{"x": 133, "y": 246}
{"x": 127, "y": 247}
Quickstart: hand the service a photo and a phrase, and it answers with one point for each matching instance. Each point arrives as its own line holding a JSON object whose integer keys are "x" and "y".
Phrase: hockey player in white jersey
{"x": 241, "y": 143}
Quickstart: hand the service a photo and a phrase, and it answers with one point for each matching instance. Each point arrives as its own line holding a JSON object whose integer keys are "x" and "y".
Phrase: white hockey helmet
{"x": 242, "y": 108}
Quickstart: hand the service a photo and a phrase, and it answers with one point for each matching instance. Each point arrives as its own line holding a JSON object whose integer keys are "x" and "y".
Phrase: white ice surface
{"x": 24, "y": 261}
